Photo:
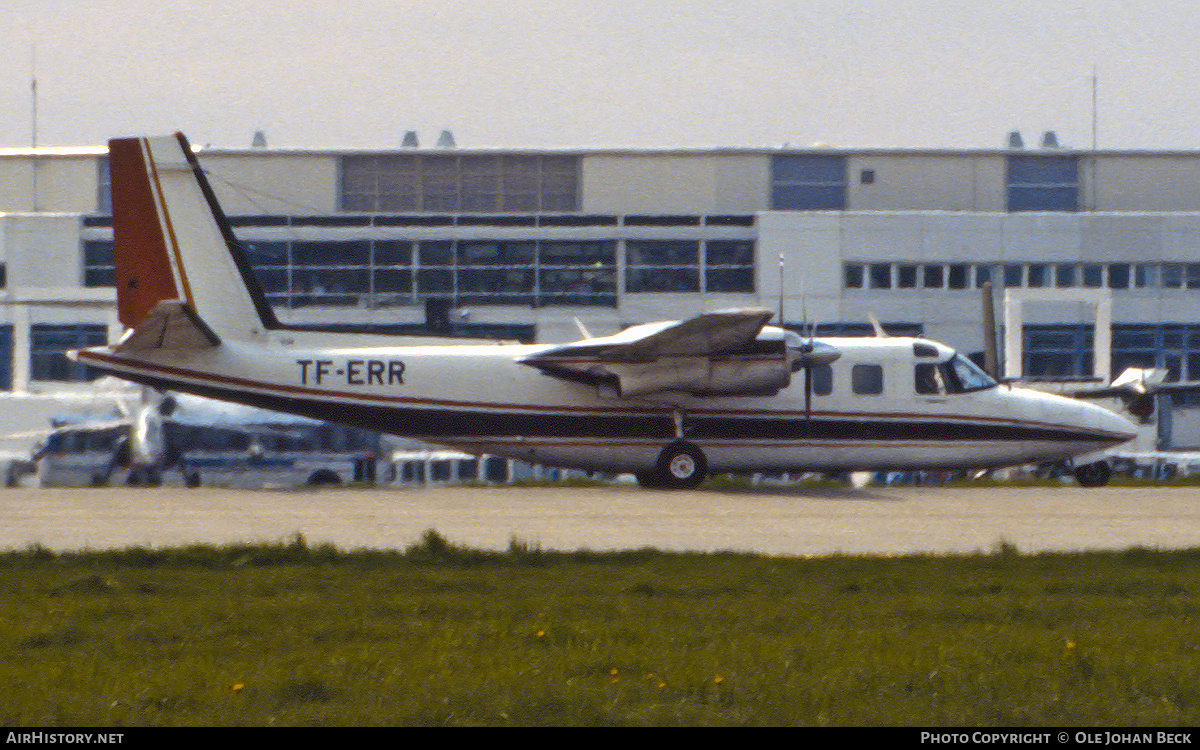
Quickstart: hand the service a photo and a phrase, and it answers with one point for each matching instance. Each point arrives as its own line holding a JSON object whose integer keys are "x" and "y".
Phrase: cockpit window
{"x": 958, "y": 375}
{"x": 970, "y": 377}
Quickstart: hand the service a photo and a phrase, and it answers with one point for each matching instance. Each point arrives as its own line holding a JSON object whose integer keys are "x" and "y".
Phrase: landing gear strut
{"x": 680, "y": 466}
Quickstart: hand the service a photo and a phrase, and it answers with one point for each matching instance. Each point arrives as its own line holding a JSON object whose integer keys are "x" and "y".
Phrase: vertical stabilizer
{"x": 172, "y": 241}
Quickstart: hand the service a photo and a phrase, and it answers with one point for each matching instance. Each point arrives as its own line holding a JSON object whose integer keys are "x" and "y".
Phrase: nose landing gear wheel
{"x": 680, "y": 466}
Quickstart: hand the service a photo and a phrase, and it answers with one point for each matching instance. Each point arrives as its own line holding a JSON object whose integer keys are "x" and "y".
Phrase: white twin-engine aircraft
{"x": 670, "y": 402}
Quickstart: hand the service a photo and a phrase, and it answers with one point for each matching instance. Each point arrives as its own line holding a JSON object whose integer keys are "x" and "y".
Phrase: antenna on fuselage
{"x": 879, "y": 332}
{"x": 781, "y": 290}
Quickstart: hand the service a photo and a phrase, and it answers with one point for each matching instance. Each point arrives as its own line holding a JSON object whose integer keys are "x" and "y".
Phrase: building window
{"x": 47, "y": 347}
{"x": 330, "y": 273}
{"x": 1193, "y": 275}
{"x": 853, "y": 275}
{"x": 1043, "y": 183}
{"x": 1172, "y": 275}
{"x": 397, "y": 272}
{"x": 6, "y": 359}
{"x": 103, "y": 186}
{"x": 1057, "y": 351}
{"x": 662, "y": 266}
{"x": 496, "y": 272}
{"x": 983, "y": 275}
{"x": 1038, "y": 275}
{"x": 935, "y": 277}
{"x": 729, "y": 266}
{"x": 804, "y": 182}
{"x": 881, "y": 275}
{"x": 1145, "y": 275}
{"x": 1064, "y": 275}
{"x": 98, "y": 264}
{"x": 1118, "y": 275}
{"x": 577, "y": 273}
{"x": 1014, "y": 275}
{"x": 453, "y": 183}
{"x": 956, "y": 276}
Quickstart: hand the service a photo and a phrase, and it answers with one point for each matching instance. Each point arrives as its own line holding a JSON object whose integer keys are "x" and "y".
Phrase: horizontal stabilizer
{"x": 171, "y": 324}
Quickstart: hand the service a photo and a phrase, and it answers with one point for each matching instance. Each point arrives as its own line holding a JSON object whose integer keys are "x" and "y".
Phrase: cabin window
{"x": 927, "y": 379}
{"x": 822, "y": 380}
{"x": 866, "y": 380}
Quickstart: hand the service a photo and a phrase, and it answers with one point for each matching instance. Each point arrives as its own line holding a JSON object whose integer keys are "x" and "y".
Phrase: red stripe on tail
{"x": 143, "y": 270}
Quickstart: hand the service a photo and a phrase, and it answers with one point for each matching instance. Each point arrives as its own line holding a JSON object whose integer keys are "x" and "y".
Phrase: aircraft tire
{"x": 1094, "y": 474}
{"x": 324, "y": 478}
{"x": 681, "y": 466}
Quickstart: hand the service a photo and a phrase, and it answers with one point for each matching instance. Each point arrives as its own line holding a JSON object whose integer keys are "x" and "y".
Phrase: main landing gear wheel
{"x": 1093, "y": 475}
{"x": 680, "y": 466}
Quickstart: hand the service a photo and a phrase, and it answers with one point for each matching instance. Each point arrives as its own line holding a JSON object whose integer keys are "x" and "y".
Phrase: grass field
{"x": 290, "y": 634}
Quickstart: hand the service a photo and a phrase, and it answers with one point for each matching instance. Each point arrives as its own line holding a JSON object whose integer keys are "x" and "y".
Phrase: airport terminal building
{"x": 525, "y": 243}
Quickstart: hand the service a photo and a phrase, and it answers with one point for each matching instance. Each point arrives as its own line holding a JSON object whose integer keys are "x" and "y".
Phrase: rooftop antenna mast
{"x": 33, "y": 122}
{"x": 1095, "y": 129}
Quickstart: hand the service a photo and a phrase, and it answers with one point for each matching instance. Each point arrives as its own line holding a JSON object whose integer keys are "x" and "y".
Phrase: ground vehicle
{"x": 294, "y": 453}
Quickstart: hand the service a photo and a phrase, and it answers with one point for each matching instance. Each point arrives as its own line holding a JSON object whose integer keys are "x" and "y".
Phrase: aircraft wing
{"x": 710, "y": 333}
{"x": 171, "y": 324}
{"x": 715, "y": 353}
{"x": 1137, "y": 387}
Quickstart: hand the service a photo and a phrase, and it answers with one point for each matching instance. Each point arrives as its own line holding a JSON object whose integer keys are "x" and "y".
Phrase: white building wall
{"x": 295, "y": 184}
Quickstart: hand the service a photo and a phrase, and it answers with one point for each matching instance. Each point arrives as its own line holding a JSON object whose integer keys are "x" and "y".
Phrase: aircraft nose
{"x": 1115, "y": 427}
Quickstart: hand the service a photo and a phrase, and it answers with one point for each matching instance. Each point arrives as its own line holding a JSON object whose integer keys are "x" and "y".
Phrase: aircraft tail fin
{"x": 171, "y": 241}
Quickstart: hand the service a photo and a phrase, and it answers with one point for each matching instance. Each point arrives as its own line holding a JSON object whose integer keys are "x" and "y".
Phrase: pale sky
{"x": 603, "y": 73}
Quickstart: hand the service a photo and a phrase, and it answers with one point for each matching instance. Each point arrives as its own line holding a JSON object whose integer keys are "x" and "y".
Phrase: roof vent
{"x": 260, "y": 139}
{"x": 1050, "y": 139}
{"x": 1015, "y": 140}
{"x": 410, "y": 140}
{"x": 445, "y": 140}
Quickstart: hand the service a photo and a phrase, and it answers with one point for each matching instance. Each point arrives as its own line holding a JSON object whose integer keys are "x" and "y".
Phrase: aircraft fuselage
{"x": 868, "y": 412}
